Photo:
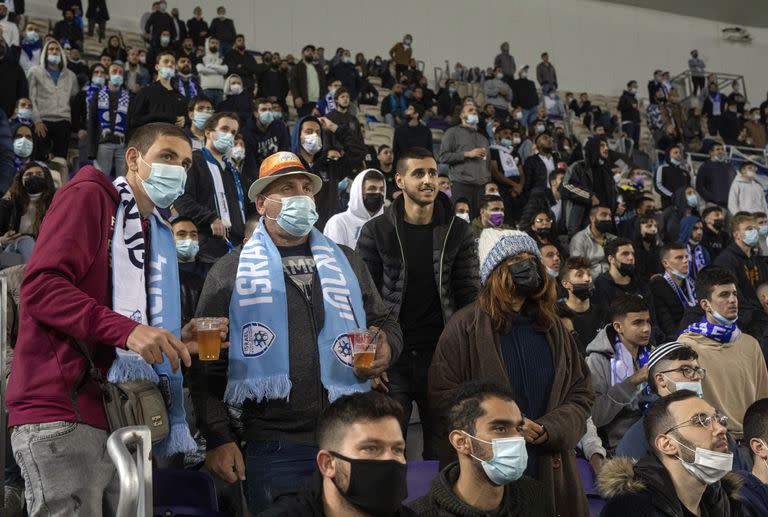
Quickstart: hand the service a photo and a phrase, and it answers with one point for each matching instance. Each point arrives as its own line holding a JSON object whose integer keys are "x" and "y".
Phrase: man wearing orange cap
{"x": 294, "y": 297}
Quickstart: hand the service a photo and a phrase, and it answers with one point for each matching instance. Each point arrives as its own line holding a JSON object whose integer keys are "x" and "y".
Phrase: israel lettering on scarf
{"x": 338, "y": 296}
{"x": 155, "y": 290}
{"x": 253, "y": 284}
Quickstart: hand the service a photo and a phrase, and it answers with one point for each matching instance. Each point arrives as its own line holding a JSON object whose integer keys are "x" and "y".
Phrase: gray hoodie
{"x": 458, "y": 140}
{"x": 211, "y": 70}
{"x": 51, "y": 100}
{"x": 617, "y": 406}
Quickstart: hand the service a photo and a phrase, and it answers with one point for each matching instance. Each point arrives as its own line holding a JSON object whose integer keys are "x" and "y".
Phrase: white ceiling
{"x": 732, "y": 12}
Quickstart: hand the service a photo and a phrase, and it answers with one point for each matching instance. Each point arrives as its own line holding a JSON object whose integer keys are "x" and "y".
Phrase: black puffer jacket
{"x": 454, "y": 256}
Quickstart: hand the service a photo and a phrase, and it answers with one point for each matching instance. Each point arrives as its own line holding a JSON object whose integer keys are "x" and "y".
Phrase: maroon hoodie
{"x": 67, "y": 294}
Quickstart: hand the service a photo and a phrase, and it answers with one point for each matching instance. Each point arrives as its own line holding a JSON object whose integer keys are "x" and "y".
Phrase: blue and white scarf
{"x": 623, "y": 364}
{"x": 29, "y": 48}
{"x": 687, "y": 297}
{"x": 721, "y": 333}
{"x": 121, "y": 115}
{"x": 190, "y": 92}
{"x": 258, "y": 356}
{"x": 697, "y": 259}
{"x": 155, "y": 302}
{"x": 219, "y": 194}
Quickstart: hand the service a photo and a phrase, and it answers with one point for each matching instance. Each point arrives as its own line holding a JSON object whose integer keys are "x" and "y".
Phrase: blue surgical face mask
{"x": 451, "y": 90}
{"x": 200, "y": 118}
{"x": 510, "y": 458}
{"x": 116, "y": 79}
{"x": 297, "y": 216}
{"x": 165, "y": 183}
{"x": 675, "y": 161}
{"x": 763, "y": 230}
{"x": 53, "y": 59}
{"x": 26, "y": 113}
{"x": 750, "y": 237}
{"x": 32, "y": 36}
{"x": 540, "y": 128}
{"x": 677, "y": 274}
{"x": 506, "y": 142}
{"x": 167, "y": 72}
{"x": 722, "y": 320}
{"x": 277, "y": 115}
{"x": 224, "y": 142}
{"x": 22, "y": 147}
{"x": 266, "y": 117}
{"x": 165, "y": 40}
{"x": 694, "y": 386}
{"x": 693, "y": 200}
{"x": 552, "y": 272}
{"x": 187, "y": 249}
{"x": 472, "y": 119}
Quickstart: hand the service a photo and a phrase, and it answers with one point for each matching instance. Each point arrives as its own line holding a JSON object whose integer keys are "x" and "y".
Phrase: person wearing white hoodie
{"x": 746, "y": 193}
{"x": 366, "y": 201}
{"x": 212, "y": 71}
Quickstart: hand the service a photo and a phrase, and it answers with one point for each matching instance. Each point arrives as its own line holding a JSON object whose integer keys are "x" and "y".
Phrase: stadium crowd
{"x": 557, "y": 311}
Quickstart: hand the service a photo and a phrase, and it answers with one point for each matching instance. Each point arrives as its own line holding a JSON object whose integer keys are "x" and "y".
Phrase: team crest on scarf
{"x": 342, "y": 349}
{"x": 256, "y": 339}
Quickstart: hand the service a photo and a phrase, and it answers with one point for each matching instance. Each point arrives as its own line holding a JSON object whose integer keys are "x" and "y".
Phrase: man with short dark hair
{"x": 190, "y": 278}
{"x": 539, "y": 166}
{"x": 349, "y": 134}
{"x": 412, "y": 133}
{"x": 73, "y": 305}
{"x": 360, "y": 467}
{"x": 620, "y": 277}
{"x": 589, "y": 242}
{"x": 690, "y": 457}
{"x": 67, "y": 30}
{"x": 587, "y": 314}
{"x": 160, "y": 101}
{"x": 187, "y": 84}
{"x": 485, "y": 429}
{"x": 546, "y": 75}
{"x": 223, "y": 29}
{"x": 200, "y": 109}
{"x": 617, "y": 359}
{"x": 714, "y": 177}
{"x": 646, "y": 243}
{"x": 240, "y": 62}
{"x": 264, "y": 135}
{"x": 491, "y": 215}
{"x": 197, "y": 27}
{"x": 674, "y": 292}
{"x": 307, "y": 82}
{"x": 714, "y": 238}
{"x": 157, "y": 23}
{"x": 399, "y": 250}
{"x": 754, "y": 493}
{"x": 108, "y": 123}
{"x": 630, "y": 114}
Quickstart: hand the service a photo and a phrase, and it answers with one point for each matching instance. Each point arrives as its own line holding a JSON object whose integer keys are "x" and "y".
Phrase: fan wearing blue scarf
{"x": 294, "y": 296}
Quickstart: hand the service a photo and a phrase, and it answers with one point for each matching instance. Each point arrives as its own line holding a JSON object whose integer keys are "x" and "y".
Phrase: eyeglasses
{"x": 689, "y": 371}
{"x": 702, "y": 420}
{"x": 540, "y": 220}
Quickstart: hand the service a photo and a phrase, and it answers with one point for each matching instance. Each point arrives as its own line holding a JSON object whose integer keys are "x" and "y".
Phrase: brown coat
{"x": 469, "y": 349}
{"x": 400, "y": 54}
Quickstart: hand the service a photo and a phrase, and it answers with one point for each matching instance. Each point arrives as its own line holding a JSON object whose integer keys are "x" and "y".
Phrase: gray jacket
{"x": 545, "y": 73}
{"x": 583, "y": 244}
{"x": 507, "y": 64}
{"x": 616, "y": 406}
{"x": 458, "y": 140}
{"x": 51, "y": 100}
{"x": 497, "y": 93}
{"x": 294, "y": 420}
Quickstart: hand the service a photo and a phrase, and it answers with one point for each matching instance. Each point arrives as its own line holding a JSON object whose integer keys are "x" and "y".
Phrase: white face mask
{"x": 709, "y": 467}
{"x": 464, "y": 216}
{"x": 312, "y": 143}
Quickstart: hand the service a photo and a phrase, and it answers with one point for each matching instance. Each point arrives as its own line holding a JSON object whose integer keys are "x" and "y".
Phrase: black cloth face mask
{"x": 377, "y": 487}
{"x": 373, "y": 202}
{"x": 583, "y": 291}
{"x": 526, "y": 277}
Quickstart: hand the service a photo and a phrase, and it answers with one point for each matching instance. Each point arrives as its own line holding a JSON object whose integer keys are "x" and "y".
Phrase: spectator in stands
{"x": 97, "y": 14}
{"x": 346, "y": 73}
{"x": 461, "y": 209}
{"x": 283, "y": 181}
{"x": 401, "y": 54}
{"x": 465, "y": 150}
{"x": 673, "y": 480}
{"x": 693, "y": 133}
{"x": 51, "y": 88}
{"x": 671, "y": 176}
{"x": 617, "y": 359}
{"x": 328, "y": 103}
{"x": 108, "y": 122}
{"x": 630, "y": 114}
{"x": 179, "y": 25}
{"x": 236, "y": 99}
{"x": 734, "y": 362}
{"x": 223, "y": 29}
{"x": 506, "y": 62}
{"x": 557, "y": 399}
{"x": 67, "y": 30}
{"x": 44, "y": 390}
{"x": 264, "y": 136}
{"x": 366, "y": 201}
{"x": 646, "y": 242}
{"x": 589, "y": 242}
{"x": 158, "y": 23}
{"x": 730, "y": 123}
{"x": 427, "y": 226}
{"x": 714, "y": 239}
{"x": 448, "y": 100}
{"x": 656, "y": 84}
{"x": 190, "y": 282}
{"x": 81, "y": 106}
{"x": 698, "y": 72}
{"x": 188, "y": 51}
{"x": 685, "y": 202}
{"x": 105, "y": 60}
{"x": 755, "y": 130}
{"x": 360, "y": 447}
{"x": 160, "y": 101}
{"x": 491, "y": 215}
{"x": 587, "y": 315}
{"x": 486, "y": 429}
{"x": 540, "y": 228}
{"x": 714, "y": 109}
{"x": 714, "y": 177}
{"x": 241, "y": 63}
{"x": 199, "y": 111}
{"x": 22, "y": 210}
{"x": 761, "y": 220}
{"x": 186, "y": 83}
{"x": 212, "y": 71}
{"x": 31, "y": 47}
{"x": 659, "y": 116}
{"x": 368, "y": 94}
{"x": 164, "y": 44}
{"x": 115, "y": 49}
{"x": 394, "y": 105}
{"x": 506, "y": 169}
{"x": 136, "y": 74}
{"x": 525, "y": 96}
{"x": 691, "y": 236}
{"x": 197, "y": 27}
{"x": 746, "y": 193}
{"x": 14, "y": 84}
{"x": 307, "y": 82}
{"x": 550, "y": 257}
{"x": 413, "y": 133}
{"x": 23, "y": 147}
{"x": 273, "y": 83}
{"x": 672, "y": 293}
{"x": 620, "y": 279}
{"x": 78, "y": 66}
{"x": 349, "y": 134}
{"x": 754, "y": 492}
{"x": 214, "y": 193}
{"x": 10, "y": 31}
{"x": 498, "y": 93}
{"x": 546, "y": 75}
{"x": 539, "y": 166}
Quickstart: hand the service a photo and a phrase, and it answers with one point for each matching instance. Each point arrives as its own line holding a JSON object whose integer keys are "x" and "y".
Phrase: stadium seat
{"x": 587, "y": 476}
{"x": 182, "y": 493}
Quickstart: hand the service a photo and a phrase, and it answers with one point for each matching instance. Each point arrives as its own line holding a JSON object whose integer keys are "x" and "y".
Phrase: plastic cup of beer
{"x": 363, "y": 348}
{"x": 208, "y": 339}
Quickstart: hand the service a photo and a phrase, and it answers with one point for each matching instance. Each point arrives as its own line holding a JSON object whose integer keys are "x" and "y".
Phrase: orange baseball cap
{"x": 277, "y": 166}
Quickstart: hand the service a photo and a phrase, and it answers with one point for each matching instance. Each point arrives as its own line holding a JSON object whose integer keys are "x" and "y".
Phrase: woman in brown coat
{"x": 511, "y": 336}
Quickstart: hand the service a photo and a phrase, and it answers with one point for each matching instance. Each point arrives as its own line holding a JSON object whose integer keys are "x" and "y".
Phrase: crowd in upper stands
{"x": 547, "y": 302}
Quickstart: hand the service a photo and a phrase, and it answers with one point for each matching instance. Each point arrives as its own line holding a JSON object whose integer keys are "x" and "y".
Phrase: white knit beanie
{"x": 495, "y": 246}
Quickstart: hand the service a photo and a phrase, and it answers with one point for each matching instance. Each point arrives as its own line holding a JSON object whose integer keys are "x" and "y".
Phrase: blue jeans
{"x": 215, "y": 95}
{"x": 529, "y": 115}
{"x": 275, "y": 468}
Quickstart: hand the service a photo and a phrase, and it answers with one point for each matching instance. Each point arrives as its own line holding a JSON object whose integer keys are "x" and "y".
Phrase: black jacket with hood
{"x": 669, "y": 226}
{"x": 644, "y": 489}
{"x": 454, "y": 256}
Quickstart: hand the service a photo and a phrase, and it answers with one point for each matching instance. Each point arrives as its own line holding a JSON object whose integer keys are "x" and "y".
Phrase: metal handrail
{"x": 3, "y": 366}
{"x": 135, "y": 473}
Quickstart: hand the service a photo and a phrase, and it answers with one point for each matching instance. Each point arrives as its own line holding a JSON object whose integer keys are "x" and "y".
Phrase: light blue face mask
{"x": 722, "y": 320}
{"x": 266, "y": 117}
{"x": 26, "y": 113}
{"x": 224, "y": 142}
{"x": 200, "y": 118}
{"x": 675, "y": 161}
{"x": 552, "y": 272}
{"x": 187, "y": 249}
{"x": 693, "y": 200}
{"x": 53, "y": 59}
{"x": 277, "y": 115}
{"x": 22, "y": 147}
{"x": 116, "y": 79}
{"x": 32, "y": 36}
{"x": 165, "y": 183}
{"x": 763, "y": 230}
{"x": 167, "y": 72}
{"x": 694, "y": 386}
{"x": 297, "y": 216}
{"x": 677, "y": 274}
{"x": 750, "y": 237}
{"x": 165, "y": 40}
{"x": 472, "y": 119}
{"x": 98, "y": 81}
{"x": 506, "y": 142}
{"x": 510, "y": 458}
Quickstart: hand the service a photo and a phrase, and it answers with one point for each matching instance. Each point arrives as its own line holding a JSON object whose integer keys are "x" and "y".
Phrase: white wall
{"x": 595, "y": 46}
